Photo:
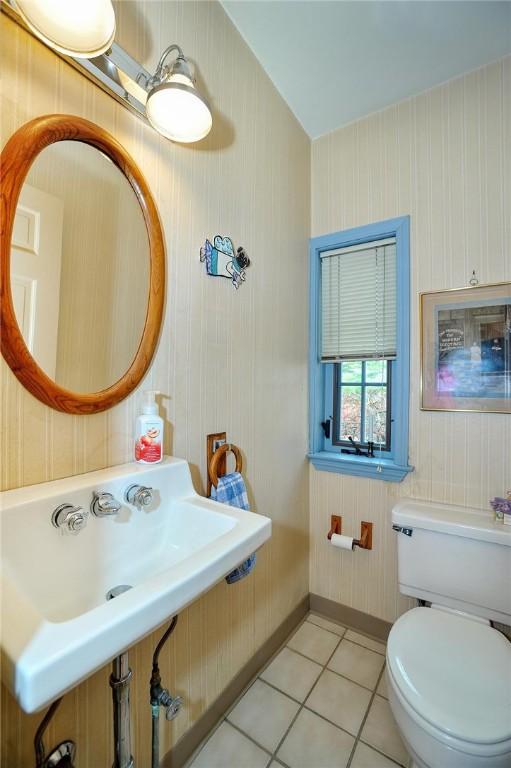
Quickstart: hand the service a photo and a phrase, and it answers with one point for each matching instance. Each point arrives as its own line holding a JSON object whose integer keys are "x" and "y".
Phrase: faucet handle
{"x": 173, "y": 708}
{"x": 104, "y": 504}
{"x": 69, "y": 519}
{"x": 139, "y": 495}
{"x": 172, "y": 704}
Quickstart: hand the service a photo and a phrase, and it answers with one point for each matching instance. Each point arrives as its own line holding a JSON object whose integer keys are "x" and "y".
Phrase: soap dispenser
{"x": 149, "y": 431}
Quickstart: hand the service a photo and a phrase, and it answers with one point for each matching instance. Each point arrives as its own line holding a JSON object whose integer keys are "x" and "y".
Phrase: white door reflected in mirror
{"x": 36, "y": 257}
{"x": 79, "y": 267}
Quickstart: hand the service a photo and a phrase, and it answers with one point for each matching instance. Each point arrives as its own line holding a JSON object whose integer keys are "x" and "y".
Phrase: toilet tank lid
{"x": 454, "y": 672}
{"x": 451, "y": 519}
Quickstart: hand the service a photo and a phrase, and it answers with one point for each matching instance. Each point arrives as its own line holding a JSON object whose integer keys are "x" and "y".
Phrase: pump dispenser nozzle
{"x": 149, "y": 405}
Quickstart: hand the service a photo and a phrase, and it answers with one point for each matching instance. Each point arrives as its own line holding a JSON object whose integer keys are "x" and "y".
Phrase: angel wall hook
{"x": 222, "y": 261}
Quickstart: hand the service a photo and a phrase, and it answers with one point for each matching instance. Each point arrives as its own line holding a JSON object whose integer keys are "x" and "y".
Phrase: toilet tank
{"x": 454, "y": 556}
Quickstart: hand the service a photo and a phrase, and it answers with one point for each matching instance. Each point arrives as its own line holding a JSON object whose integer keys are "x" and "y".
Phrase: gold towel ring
{"x": 221, "y": 451}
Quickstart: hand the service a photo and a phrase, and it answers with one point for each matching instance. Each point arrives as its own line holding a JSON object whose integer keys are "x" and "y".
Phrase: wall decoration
{"x": 222, "y": 261}
{"x": 466, "y": 349}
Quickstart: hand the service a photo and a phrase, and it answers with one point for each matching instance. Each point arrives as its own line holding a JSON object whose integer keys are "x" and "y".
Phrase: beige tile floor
{"x": 319, "y": 703}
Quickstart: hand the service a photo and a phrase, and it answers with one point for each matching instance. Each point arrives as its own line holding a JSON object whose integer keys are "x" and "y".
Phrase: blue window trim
{"x": 323, "y": 455}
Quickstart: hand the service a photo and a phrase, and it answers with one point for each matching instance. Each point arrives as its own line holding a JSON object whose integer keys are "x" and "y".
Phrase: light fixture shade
{"x": 178, "y": 111}
{"x": 79, "y": 28}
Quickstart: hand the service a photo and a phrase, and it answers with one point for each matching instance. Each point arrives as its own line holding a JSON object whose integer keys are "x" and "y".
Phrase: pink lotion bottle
{"x": 149, "y": 431}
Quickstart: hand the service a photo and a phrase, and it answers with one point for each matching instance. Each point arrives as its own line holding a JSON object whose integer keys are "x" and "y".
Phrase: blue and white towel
{"x": 231, "y": 490}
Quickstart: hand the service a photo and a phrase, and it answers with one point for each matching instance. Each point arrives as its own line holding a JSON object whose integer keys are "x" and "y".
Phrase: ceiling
{"x": 336, "y": 61}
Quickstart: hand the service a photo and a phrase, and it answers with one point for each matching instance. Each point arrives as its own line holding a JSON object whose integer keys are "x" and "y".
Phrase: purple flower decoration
{"x": 501, "y": 505}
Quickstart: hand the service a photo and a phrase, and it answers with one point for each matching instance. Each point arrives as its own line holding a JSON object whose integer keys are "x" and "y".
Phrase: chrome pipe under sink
{"x": 120, "y": 685}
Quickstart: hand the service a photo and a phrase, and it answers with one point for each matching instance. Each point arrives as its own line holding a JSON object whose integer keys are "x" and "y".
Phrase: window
{"x": 360, "y": 397}
{"x": 359, "y": 351}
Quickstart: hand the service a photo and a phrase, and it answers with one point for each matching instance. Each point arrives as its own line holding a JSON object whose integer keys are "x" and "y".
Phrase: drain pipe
{"x": 160, "y": 697}
{"x": 120, "y": 685}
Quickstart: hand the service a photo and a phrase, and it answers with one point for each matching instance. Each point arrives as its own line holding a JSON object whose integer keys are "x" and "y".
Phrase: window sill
{"x": 360, "y": 466}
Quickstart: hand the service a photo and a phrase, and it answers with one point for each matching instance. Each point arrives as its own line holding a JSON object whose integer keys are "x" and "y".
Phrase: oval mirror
{"x": 82, "y": 265}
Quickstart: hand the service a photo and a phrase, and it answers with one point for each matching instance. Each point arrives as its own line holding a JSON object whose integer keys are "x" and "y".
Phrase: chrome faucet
{"x": 139, "y": 495}
{"x": 69, "y": 519}
{"x": 104, "y": 504}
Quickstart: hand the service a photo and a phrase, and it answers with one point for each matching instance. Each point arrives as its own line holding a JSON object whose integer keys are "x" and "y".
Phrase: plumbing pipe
{"x": 160, "y": 697}
{"x": 40, "y": 753}
{"x": 155, "y": 735}
{"x": 63, "y": 755}
{"x": 120, "y": 685}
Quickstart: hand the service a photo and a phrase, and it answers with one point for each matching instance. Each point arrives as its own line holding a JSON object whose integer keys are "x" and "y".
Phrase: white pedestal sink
{"x": 57, "y": 626}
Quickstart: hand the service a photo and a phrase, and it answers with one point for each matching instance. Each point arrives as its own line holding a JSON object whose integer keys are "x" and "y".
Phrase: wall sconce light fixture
{"x": 174, "y": 107}
{"x": 82, "y": 33}
{"x": 81, "y": 28}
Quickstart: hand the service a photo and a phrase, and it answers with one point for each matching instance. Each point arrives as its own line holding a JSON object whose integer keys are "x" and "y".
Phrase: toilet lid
{"x": 454, "y": 672}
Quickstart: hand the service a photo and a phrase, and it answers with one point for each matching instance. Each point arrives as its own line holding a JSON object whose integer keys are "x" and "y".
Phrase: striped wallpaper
{"x": 226, "y": 360}
{"x": 444, "y": 158}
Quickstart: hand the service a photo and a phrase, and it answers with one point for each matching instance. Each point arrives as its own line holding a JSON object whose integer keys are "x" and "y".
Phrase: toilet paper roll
{"x": 343, "y": 542}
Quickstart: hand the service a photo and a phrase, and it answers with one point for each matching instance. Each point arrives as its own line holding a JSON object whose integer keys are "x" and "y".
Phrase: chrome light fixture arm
{"x": 161, "y": 70}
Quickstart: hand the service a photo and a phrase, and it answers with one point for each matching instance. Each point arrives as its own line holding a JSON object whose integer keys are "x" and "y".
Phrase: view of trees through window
{"x": 360, "y": 402}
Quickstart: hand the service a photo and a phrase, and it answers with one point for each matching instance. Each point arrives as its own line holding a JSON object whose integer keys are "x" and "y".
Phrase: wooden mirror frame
{"x": 16, "y": 159}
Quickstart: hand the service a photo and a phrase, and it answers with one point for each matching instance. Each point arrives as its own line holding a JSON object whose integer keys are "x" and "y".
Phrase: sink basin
{"x": 57, "y": 624}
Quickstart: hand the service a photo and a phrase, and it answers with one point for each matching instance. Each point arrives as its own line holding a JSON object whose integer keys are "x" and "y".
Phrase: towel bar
{"x": 218, "y": 454}
{"x": 216, "y": 458}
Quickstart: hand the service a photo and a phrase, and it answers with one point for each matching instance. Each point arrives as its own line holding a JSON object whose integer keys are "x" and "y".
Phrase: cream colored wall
{"x": 226, "y": 359}
{"x": 444, "y": 158}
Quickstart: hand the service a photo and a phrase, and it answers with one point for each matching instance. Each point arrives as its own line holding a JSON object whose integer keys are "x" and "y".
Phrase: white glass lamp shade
{"x": 79, "y": 28}
{"x": 177, "y": 111}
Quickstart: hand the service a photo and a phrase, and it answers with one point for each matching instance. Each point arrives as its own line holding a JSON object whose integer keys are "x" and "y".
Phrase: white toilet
{"x": 448, "y": 671}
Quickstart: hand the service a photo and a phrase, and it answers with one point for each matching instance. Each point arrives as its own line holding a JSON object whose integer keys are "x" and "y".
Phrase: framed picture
{"x": 466, "y": 349}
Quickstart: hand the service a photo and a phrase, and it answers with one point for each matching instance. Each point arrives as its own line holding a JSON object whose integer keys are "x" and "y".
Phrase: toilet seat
{"x": 454, "y": 675}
